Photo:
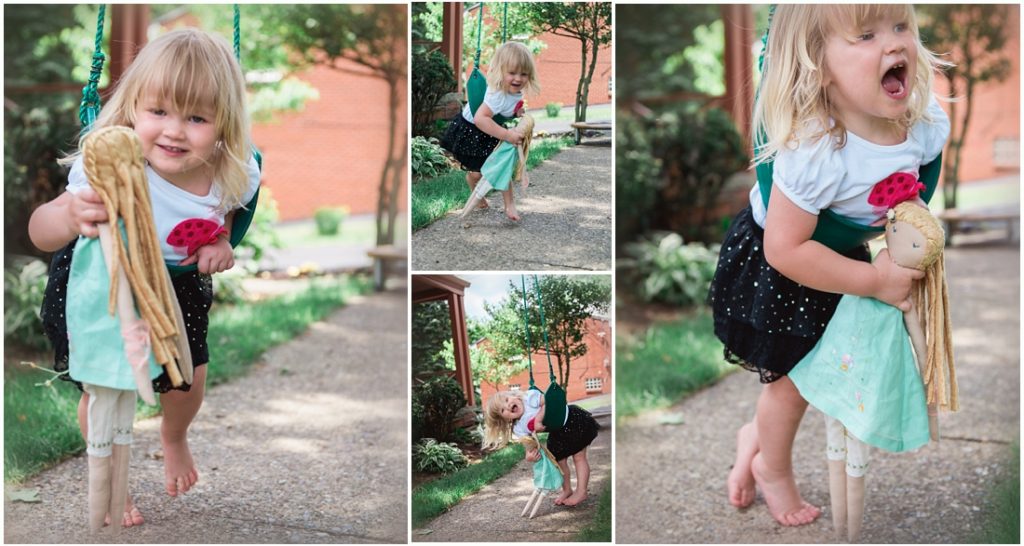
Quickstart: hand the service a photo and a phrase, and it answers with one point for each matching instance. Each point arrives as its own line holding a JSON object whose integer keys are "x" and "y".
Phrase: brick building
{"x": 589, "y": 375}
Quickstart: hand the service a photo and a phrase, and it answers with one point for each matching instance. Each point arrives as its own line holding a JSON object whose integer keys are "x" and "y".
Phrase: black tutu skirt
{"x": 467, "y": 143}
{"x": 193, "y": 290}
{"x": 579, "y": 431}
{"x": 767, "y": 322}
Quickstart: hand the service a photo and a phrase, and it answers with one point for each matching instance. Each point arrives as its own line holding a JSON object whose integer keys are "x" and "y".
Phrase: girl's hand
{"x": 533, "y": 455}
{"x": 85, "y": 210}
{"x": 212, "y": 258}
{"x": 514, "y": 136}
{"x": 894, "y": 282}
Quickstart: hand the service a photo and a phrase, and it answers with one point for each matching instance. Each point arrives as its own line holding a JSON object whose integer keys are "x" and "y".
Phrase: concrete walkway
{"x": 671, "y": 479}
{"x": 309, "y": 447}
{"x": 492, "y": 514}
{"x": 566, "y": 223}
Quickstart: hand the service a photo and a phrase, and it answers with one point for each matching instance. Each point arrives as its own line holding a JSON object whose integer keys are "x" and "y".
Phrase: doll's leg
{"x": 856, "y": 468}
{"x": 477, "y": 195}
{"x": 835, "y": 452}
{"x": 124, "y": 417}
{"x": 579, "y": 460}
{"x": 102, "y": 405}
{"x": 510, "y": 205}
{"x": 180, "y": 408}
{"x": 132, "y": 516}
{"x": 566, "y": 483}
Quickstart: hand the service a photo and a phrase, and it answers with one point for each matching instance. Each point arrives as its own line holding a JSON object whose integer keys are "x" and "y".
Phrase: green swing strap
{"x": 556, "y": 405}
{"x": 476, "y": 86}
{"x": 89, "y": 110}
{"x": 526, "y": 328}
{"x": 834, "y": 230}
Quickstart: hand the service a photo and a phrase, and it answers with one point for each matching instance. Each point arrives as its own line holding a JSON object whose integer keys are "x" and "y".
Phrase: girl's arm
{"x": 538, "y": 420}
{"x": 217, "y": 256}
{"x": 483, "y": 121}
{"x": 789, "y": 249}
{"x": 56, "y": 223}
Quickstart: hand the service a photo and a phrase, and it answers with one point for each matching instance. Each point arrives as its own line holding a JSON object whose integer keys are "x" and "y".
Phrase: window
{"x": 515, "y": 387}
{"x": 593, "y": 384}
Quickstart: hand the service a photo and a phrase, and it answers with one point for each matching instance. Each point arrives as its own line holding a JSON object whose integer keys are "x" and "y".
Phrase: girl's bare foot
{"x": 483, "y": 204}
{"x": 560, "y": 499}
{"x": 512, "y": 213}
{"x": 132, "y": 516}
{"x": 179, "y": 469}
{"x": 741, "y": 482}
{"x": 579, "y": 496}
{"x": 781, "y": 495}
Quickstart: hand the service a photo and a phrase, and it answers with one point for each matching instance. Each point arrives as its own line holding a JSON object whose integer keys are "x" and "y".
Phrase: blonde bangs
{"x": 512, "y": 56}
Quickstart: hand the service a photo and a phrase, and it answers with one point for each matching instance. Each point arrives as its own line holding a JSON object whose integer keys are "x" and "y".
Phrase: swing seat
{"x": 556, "y": 407}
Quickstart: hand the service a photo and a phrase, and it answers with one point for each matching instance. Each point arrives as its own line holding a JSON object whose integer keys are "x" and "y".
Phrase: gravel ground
{"x": 492, "y": 514}
{"x": 566, "y": 223}
{"x": 309, "y": 447}
{"x": 671, "y": 479}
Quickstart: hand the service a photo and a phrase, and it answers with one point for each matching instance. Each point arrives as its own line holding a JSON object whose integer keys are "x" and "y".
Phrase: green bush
{"x": 668, "y": 271}
{"x": 328, "y": 219}
{"x": 24, "y": 287}
{"x": 261, "y": 235}
{"x": 429, "y": 455}
{"x": 432, "y": 78}
{"x": 441, "y": 399}
{"x": 637, "y": 178}
{"x": 553, "y": 109}
{"x": 428, "y": 159}
{"x": 471, "y": 436}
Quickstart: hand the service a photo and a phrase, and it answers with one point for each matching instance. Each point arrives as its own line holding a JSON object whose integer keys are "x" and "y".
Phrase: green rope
{"x": 479, "y": 33}
{"x": 764, "y": 39}
{"x": 543, "y": 327}
{"x": 89, "y": 108}
{"x": 526, "y": 328}
{"x": 504, "y": 23}
{"x": 238, "y": 34}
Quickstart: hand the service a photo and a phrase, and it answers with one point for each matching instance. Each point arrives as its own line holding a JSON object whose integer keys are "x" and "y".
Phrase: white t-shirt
{"x": 498, "y": 101}
{"x": 184, "y": 221}
{"x": 817, "y": 176}
{"x": 531, "y": 405}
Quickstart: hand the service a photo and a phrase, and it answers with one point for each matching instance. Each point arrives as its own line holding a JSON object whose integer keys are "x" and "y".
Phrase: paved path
{"x": 566, "y": 223}
{"x": 671, "y": 479}
{"x": 492, "y": 514}
{"x": 309, "y": 447}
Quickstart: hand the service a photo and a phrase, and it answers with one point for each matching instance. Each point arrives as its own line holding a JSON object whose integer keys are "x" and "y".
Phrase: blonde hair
{"x": 188, "y": 68}
{"x": 931, "y": 299}
{"x": 792, "y": 97}
{"x": 512, "y": 56}
{"x": 527, "y": 124}
{"x": 497, "y": 429}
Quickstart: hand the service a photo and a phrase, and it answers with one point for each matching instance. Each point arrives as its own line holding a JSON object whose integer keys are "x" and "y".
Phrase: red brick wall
{"x": 332, "y": 153}
{"x": 595, "y": 364}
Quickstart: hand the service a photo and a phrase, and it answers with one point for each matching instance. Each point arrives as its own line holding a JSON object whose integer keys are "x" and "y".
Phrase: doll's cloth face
{"x": 906, "y": 244}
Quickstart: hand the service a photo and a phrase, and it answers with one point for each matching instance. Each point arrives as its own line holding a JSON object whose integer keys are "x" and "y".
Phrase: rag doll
{"x": 506, "y": 163}
{"x": 547, "y": 476}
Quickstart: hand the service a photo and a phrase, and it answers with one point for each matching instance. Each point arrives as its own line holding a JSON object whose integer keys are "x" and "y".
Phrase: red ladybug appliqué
{"x": 194, "y": 233}
{"x": 895, "y": 189}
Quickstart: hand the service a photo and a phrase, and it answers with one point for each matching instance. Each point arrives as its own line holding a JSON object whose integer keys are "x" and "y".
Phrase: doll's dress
{"x": 96, "y": 353}
{"x": 501, "y": 165}
{"x": 863, "y": 373}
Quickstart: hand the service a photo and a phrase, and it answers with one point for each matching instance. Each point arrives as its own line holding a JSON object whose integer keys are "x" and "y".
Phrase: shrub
{"x": 24, "y": 287}
{"x": 429, "y": 455}
{"x": 432, "y": 78}
{"x": 669, "y": 271}
{"x": 261, "y": 235}
{"x": 471, "y": 436}
{"x": 637, "y": 178}
{"x": 441, "y": 399}
{"x": 328, "y": 219}
{"x": 553, "y": 109}
{"x": 428, "y": 159}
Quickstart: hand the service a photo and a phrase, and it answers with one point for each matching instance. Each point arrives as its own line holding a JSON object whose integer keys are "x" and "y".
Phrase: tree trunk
{"x": 390, "y": 176}
{"x": 580, "y": 108}
{"x": 949, "y": 167}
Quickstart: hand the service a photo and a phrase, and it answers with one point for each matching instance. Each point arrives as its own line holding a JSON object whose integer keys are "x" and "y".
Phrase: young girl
{"x": 515, "y": 413}
{"x": 184, "y": 96}
{"x": 471, "y": 138}
{"x": 845, "y": 103}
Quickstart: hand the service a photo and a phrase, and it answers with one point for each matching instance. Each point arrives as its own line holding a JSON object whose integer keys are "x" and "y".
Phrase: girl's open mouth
{"x": 894, "y": 81}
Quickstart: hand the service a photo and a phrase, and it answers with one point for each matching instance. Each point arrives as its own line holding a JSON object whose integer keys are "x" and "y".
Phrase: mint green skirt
{"x": 862, "y": 372}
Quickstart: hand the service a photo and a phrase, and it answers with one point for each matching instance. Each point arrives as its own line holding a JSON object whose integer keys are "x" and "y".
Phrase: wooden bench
{"x": 381, "y": 256}
{"x": 581, "y": 126}
{"x": 954, "y": 218}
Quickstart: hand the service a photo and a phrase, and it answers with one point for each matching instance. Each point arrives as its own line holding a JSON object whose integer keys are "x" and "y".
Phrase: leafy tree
{"x": 975, "y": 37}
{"x": 374, "y": 37}
{"x": 588, "y": 22}
{"x": 568, "y": 302}
{"x": 431, "y": 328}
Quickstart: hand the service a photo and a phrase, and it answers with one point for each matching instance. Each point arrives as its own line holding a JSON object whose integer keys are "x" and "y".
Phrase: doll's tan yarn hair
{"x": 931, "y": 298}
{"x": 526, "y": 124}
{"x": 112, "y": 157}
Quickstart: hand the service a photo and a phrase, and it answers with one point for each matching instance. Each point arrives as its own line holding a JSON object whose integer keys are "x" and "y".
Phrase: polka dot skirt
{"x": 193, "y": 290}
{"x": 467, "y": 143}
{"x": 766, "y": 321}
{"x": 579, "y": 431}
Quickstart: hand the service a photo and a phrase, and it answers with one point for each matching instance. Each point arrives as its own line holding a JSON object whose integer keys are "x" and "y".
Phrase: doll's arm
{"x": 485, "y": 122}
{"x": 789, "y": 249}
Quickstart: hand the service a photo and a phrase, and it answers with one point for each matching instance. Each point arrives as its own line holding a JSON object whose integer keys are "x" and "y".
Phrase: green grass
{"x": 600, "y": 528}
{"x": 359, "y": 231}
{"x": 434, "y": 197}
{"x": 40, "y": 426}
{"x": 671, "y": 360}
{"x": 594, "y": 113}
{"x": 432, "y": 499}
{"x": 1002, "y": 520}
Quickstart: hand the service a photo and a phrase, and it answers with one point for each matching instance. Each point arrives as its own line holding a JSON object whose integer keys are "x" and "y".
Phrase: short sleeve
{"x": 253, "y": 170}
{"x": 532, "y": 398}
{"x": 76, "y": 177}
{"x": 810, "y": 174}
{"x": 501, "y": 102}
{"x": 934, "y": 133}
